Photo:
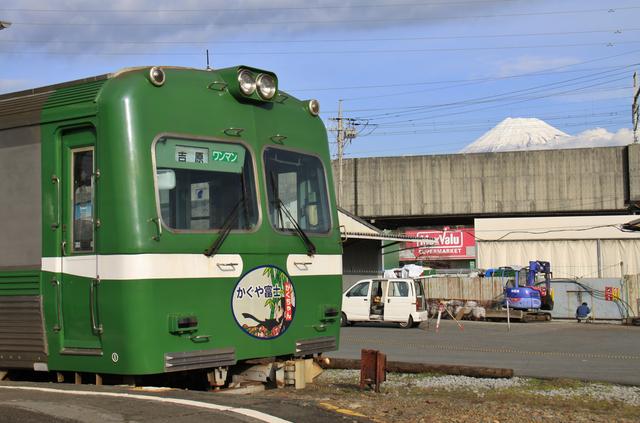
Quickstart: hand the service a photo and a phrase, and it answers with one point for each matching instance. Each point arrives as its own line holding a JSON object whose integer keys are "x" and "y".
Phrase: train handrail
{"x": 56, "y": 283}
{"x": 56, "y": 181}
{"x": 95, "y": 326}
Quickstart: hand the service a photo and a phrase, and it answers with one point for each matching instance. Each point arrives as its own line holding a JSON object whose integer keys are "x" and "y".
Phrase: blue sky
{"x": 419, "y": 77}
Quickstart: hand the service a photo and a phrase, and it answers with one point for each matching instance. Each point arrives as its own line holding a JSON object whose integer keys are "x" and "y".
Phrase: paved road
{"x": 597, "y": 352}
{"x": 60, "y": 403}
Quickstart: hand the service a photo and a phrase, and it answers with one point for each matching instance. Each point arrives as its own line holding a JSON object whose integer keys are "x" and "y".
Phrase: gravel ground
{"x": 430, "y": 398}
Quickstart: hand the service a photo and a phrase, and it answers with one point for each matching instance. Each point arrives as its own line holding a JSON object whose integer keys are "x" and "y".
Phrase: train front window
{"x": 201, "y": 184}
{"x": 296, "y": 182}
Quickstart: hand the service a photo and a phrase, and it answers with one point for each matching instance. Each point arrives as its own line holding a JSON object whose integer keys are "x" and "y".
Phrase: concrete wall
{"x": 634, "y": 173}
{"x": 529, "y": 183}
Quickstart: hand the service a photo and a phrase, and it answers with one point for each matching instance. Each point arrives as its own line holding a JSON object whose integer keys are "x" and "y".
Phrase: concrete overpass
{"x": 455, "y": 188}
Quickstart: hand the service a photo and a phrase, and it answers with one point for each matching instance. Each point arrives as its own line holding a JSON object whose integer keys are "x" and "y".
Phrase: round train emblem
{"x": 264, "y": 302}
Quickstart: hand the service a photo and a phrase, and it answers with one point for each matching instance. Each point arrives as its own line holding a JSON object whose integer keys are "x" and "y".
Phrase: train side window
{"x": 83, "y": 199}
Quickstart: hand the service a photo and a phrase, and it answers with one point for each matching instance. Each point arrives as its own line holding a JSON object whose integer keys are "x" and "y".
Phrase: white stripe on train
{"x": 180, "y": 266}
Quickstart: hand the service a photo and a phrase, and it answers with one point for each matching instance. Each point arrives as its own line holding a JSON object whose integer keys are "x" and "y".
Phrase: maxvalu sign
{"x": 449, "y": 244}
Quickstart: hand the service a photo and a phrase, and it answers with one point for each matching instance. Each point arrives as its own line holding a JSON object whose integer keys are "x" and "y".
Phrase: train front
{"x": 218, "y": 221}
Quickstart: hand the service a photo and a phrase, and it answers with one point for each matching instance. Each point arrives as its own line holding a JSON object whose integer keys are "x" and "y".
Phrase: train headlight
{"x": 247, "y": 82}
{"x": 156, "y": 76}
{"x": 266, "y": 86}
{"x": 314, "y": 107}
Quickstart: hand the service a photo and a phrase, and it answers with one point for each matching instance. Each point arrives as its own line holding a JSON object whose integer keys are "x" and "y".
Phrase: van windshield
{"x": 200, "y": 183}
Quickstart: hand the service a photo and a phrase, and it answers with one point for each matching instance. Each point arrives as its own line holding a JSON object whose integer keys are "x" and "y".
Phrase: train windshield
{"x": 296, "y": 182}
{"x": 201, "y": 184}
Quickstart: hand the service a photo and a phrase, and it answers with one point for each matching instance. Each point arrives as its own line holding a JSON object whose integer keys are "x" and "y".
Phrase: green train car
{"x": 161, "y": 220}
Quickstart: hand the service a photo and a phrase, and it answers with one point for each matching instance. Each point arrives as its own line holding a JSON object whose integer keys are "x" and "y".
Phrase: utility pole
{"x": 340, "y": 140}
{"x": 635, "y": 114}
{"x": 345, "y": 132}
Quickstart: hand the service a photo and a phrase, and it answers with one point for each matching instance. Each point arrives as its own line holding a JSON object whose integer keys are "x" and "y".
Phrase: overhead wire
{"x": 463, "y": 108}
{"x": 598, "y": 59}
{"x": 351, "y": 21}
{"x": 566, "y": 82}
{"x": 308, "y": 52}
{"x": 245, "y": 9}
{"x": 617, "y": 31}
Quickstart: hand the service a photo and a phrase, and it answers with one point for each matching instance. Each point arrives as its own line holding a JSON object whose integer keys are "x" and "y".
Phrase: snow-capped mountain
{"x": 513, "y": 134}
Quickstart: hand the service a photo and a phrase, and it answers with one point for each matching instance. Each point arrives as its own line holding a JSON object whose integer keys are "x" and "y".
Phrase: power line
{"x": 331, "y": 52}
{"x": 617, "y": 31}
{"x": 525, "y": 99}
{"x": 598, "y": 59}
{"x": 452, "y": 81}
{"x": 250, "y": 9}
{"x": 484, "y": 128}
{"x": 618, "y": 69}
{"x": 505, "y": 96}
{"x": 350, "y": 21}
{"x": 467, "y": 122}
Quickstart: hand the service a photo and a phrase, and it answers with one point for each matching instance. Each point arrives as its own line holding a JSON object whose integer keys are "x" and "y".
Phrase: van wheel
{"x": 343, "y": 320}
{"x": 407, "y": 324}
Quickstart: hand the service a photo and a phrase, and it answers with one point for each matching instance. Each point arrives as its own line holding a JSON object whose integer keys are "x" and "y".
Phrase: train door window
{"x": 296, "y": 182}
{"x": 202, "y": 185}
{"x": 83, "y": 199}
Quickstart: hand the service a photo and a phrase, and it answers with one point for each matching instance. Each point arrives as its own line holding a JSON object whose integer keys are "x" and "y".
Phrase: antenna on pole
{"x": 208, "y": 67}
{"x": 635, "y": 113}
{"x": 345, "y": 132}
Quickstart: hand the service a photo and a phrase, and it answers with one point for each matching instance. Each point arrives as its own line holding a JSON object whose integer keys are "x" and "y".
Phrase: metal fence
{"x": 608, "y": 298}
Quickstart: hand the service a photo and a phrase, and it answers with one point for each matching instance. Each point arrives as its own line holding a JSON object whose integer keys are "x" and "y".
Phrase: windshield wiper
{"x": 228, "y": 223}
{"x": 311, "y": 248}
{"x": 225, "y": 229}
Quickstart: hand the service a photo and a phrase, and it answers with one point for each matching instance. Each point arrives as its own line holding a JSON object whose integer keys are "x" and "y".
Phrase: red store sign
{"x": 450, "y": 244}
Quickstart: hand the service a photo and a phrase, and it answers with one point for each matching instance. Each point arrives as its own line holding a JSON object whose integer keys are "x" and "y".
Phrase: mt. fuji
{"x": 513, "y": 134}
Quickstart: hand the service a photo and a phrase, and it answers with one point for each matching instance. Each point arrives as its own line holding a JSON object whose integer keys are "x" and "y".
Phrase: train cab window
{"x": 203, "y": 185}
{"x": 83, "y": 200}
{"x": 296, "y": 182}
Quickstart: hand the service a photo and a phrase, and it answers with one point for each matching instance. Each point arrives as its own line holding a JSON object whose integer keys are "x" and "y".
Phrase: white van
{"x": 384, "y": 300}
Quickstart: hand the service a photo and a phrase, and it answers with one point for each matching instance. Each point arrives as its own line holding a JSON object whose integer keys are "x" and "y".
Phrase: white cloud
{"x": 53, "y": 27}
{"x": 530, "y": 64}
{"x": 598, "y": 137}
